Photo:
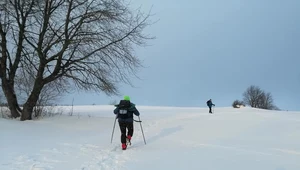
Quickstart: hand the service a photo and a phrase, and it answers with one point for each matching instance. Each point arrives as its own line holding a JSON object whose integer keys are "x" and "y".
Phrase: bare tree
{"x": 89, "y": 43}
{"x": 252, "y": 96}
{"x": 256, "y": 97}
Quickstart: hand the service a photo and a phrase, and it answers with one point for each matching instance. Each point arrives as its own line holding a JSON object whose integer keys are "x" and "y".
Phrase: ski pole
{"x": 142, "y": 129}
{"x": 112, "y": 134}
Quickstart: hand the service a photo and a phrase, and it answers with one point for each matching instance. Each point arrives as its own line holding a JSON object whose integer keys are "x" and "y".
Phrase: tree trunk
{"x": 11, "y": 98}
{"x": 32, "y": 101}
{"x": 27, "y": 112}
{"x": 7, "y": 84}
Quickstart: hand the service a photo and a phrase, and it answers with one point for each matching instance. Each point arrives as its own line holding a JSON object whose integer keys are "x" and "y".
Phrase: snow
{"x": 177, "y": 138}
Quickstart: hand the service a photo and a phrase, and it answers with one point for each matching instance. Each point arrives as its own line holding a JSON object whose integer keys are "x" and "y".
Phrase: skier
{"x": 210, "y": 104}
{"x": 124, "y": 112}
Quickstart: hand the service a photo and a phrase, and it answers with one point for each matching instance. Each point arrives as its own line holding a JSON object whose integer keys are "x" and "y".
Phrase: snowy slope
{"x": 177, "y": 138}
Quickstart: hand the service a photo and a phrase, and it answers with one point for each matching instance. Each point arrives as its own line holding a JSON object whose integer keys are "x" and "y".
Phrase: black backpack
{"x": 124, "y": 106}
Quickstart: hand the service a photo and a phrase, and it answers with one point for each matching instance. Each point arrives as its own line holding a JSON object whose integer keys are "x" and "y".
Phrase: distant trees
{"x": 255, "y": 97}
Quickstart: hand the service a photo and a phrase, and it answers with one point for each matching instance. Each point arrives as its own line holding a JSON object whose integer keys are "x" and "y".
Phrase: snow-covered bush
{"x": 238, "y": 104}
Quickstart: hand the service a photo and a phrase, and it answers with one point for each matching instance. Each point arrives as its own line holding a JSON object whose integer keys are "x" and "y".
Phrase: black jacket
{"x": 125, "y": 111}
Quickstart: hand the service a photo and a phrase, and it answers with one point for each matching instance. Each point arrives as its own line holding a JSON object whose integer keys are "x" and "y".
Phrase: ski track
{"x": 86, "y": 156}
{"x": 287, "y": 151}
{"x": 246, "y": 149}
{"x": 91, "y": 157}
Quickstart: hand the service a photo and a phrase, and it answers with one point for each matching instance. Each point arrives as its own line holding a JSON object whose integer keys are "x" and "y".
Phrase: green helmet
{"x": 126, "y": 98}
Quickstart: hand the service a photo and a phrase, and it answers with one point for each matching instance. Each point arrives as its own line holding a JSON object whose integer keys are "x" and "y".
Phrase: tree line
{"x": 255, "y": 97}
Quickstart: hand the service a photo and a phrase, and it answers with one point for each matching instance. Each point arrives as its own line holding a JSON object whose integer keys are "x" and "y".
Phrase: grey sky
{"x": 216, "y": 49}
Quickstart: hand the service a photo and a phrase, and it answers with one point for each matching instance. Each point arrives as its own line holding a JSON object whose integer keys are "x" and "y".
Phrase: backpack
{"x": 208, "y": 103}
{"x": 124, "y": 106}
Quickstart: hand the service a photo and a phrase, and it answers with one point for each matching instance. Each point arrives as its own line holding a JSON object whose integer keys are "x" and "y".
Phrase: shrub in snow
{"x": 238, "y": 104}
{"x": 5, "y": 113}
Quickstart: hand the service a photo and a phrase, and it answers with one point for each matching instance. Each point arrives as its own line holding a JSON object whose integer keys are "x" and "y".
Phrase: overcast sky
{"x": 215, "y": 49}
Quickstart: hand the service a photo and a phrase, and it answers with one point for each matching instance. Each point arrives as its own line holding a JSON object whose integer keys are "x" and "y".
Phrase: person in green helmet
{"x": 124, "y": 112}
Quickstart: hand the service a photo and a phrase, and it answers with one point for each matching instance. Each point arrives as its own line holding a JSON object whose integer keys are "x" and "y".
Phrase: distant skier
{"x": 210, "y": 104}
{"x": 124, "y": 112}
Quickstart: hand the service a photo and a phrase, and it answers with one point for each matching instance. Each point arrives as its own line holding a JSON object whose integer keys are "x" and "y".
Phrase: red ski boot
{"x": 128, "y": 140}
{"x": 124, "y": 146}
